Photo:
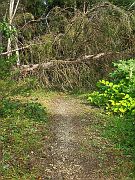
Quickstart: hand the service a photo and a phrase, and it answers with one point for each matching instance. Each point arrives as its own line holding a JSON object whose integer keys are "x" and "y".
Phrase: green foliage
{"x": 35, "y": 111}
{"x": 6, "y": 65}
{"x": 6, "y": 29}
{"x": 125, "y": 72}
{"x": 80, "y": 3}
{"x": 36, "y": 7}
{"x": 11, "y": 88}
{"x": 30, "y": 110}
{"x": 22, "y": 131}
{"x": 117, "y": 95}
{"x": 122, "y": 131}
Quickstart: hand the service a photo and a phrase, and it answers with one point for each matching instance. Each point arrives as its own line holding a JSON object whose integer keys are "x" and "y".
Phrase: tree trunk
{"x": 12, "y": 12}
{"x": 11, "y": 7}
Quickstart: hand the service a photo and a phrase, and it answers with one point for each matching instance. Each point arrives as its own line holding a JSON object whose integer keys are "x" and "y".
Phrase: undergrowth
{"x": 21, "y": 143}
{"x": 118, "y": 94}
{"x": 121, "y": 131}
{"x": 117, "y": 97}
{"x": 15, "y": 108}
{"x": 23, "y": 126}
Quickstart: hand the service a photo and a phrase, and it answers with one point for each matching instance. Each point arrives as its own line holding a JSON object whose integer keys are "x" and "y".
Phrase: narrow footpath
{"x": 77, "y": 150}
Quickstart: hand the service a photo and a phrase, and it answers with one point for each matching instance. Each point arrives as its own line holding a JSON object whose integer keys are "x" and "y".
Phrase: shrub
{"x": 118, "y": 94}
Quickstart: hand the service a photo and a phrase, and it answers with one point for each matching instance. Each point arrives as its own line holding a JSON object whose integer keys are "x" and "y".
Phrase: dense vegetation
{"x": 20, "y": 120}
{"x": 41, "y": 5}
{"x": 74, "y": 44}
{"x": 117, "y": 97}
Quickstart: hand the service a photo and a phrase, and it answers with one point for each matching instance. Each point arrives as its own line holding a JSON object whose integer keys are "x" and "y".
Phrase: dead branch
{"x": 19, "y": 49}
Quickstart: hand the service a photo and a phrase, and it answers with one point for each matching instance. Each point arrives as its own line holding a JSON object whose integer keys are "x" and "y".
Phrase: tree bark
{"x": 12, "y": 12}
{"x": 11, "y": 7}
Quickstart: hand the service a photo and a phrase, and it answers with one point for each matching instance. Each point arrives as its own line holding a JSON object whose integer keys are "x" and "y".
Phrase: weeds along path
{"x": 77, "y": 150}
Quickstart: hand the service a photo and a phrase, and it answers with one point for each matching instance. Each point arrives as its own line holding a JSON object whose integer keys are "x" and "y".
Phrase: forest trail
{"x": 77, "y": 151}
{"x": 67, "y": 130}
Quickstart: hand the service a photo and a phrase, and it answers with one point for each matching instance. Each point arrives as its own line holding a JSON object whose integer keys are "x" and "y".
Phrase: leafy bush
{"x": 118, "y": 94}
{"x": 6, "y": 30}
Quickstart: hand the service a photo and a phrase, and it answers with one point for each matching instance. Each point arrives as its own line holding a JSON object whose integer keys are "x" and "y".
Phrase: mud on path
{"x": 76, "y": 152}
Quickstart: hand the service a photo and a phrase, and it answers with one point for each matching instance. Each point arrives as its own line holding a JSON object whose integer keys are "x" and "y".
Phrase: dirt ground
{"x": 77, "y": 151}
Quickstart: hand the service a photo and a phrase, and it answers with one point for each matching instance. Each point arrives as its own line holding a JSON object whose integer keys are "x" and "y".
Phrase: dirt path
{"x": 69, "y": 145}
{"x": 65, "y": 162}
{"x": 74, "y": 154}
{"x": 77, "y": 152}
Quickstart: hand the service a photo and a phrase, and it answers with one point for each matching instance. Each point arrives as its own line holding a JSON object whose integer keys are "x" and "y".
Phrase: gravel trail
{"x": 75, "y": 153}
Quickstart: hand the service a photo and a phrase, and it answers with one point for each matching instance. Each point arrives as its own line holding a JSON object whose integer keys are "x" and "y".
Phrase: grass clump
{"x": 31, "y": 110}
{"x": 121, "y": 131}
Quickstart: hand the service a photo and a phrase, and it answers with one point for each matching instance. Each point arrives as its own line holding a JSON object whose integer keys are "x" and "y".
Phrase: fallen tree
{"x": 85, "y": 59}
{"x": 70, "y": 74}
